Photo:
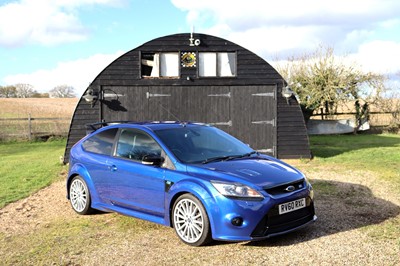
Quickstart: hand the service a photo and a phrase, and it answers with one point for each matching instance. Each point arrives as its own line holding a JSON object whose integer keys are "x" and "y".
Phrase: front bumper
{"x": 261, "y": 220}
{"x": 273, "y": 224}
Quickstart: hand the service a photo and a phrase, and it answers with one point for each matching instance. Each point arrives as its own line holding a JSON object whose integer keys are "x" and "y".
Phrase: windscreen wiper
{"x": 241, "y": 156}
{"x": 228, "y": 157}
{"x": 219, "y": 158}
{"x": 248, "y": 154}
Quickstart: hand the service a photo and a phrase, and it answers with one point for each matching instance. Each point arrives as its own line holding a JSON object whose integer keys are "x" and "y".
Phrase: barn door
{"x": 247, "y": 112}
{"x": 198, "y": 103}
{"x": 163, "y": 103}
{"x": 254, "y": 116}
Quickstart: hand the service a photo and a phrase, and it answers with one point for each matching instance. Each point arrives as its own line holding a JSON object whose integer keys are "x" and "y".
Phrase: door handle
{"x": 112, "y": 168}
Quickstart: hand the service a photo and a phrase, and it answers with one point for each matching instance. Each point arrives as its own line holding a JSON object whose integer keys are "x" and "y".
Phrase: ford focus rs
{"x": 193, "y": 177}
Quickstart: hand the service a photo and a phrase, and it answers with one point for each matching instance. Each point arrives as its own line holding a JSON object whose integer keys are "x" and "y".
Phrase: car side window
{"x": 134, "y": 144}
{"x": 101, "y": 143}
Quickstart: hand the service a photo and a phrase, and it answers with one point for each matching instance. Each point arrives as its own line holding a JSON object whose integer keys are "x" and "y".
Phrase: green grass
{"x": 52, "y": 243}
{"x": 27, "y": 167}
{"x": 377, "y": 153}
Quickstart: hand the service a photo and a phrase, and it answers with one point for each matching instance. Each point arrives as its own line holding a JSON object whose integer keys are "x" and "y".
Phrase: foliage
{"x": 24, "y": 90}
{"x": 323, "y": 80}
{"x": 40, "y": 95}
{"x": 390, "y": 103}
{"x": 8, "y": 92}
{"x": 21, "y": 91}
{"x": 27, "y": 167}
{"x": 62, "y": 91}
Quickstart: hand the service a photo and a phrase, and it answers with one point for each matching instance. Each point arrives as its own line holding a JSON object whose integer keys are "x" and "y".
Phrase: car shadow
{"x": 340, "y": 207}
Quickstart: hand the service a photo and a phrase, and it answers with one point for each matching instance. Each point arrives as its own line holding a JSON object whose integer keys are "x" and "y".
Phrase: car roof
{"x": 158, "y": 125}
{"x": 152, "y": 125}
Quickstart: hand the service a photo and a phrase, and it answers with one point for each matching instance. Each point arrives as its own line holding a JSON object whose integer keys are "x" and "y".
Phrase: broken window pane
{"x": 160, "y": 65}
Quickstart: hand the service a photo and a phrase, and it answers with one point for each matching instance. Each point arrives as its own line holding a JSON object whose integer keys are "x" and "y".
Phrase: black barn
{"x": 202, "y": 78}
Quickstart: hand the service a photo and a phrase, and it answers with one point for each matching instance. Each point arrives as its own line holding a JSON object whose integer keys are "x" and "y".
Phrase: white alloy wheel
{"x": 79, "y": 196}
{"x": 191, "y": 221}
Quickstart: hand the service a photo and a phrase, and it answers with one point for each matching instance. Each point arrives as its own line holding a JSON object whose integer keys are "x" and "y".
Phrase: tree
{"x": 24, "y": 90}
{"x": 8, "y": 92}
{"x": 62, "y": 91}
{"x": 389, "y": 102}
{"x": 323, "y": 80}
{"x": 40, "y": 95}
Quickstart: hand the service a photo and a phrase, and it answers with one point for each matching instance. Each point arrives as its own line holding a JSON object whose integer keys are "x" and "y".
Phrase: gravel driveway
{"x": 356, "y": 219}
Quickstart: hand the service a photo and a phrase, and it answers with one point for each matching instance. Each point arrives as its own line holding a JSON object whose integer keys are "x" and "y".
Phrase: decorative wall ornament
{"x": 188, "y": 59}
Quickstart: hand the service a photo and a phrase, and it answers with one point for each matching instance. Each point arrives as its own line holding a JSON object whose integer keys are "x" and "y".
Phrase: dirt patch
{"x": 358, "y": 224}
{"x": 36, "y": 211}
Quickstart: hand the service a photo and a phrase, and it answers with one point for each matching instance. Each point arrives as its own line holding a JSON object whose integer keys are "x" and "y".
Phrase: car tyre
{"x": 190, "y": 221}
{"x": 79, "y": 196}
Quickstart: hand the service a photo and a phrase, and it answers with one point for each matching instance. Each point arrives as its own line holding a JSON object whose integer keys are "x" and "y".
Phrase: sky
{"x": 47, "y": 43}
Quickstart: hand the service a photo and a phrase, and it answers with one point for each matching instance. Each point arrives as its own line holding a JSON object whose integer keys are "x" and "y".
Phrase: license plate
{"x": 292, "y": 206}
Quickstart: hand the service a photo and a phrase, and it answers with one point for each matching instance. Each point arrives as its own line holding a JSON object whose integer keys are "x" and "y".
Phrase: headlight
{"x": 237, "y": 191}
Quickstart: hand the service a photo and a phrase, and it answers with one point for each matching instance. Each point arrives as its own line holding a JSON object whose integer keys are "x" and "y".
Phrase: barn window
{"x": 160, "y": 65}
{"x": 217, "y": 64}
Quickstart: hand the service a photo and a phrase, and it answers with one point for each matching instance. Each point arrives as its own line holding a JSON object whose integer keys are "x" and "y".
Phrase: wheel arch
{"x": 80, "y": 170}
{"x": 197, "y": 190}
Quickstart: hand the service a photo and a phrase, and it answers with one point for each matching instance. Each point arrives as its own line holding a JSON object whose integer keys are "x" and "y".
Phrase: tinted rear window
{"x": 101, "y": 143}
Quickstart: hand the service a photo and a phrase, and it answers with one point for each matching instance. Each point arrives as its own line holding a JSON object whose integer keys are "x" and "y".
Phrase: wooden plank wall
{"x": 292, "y": 140}
{"x": 292, "y": 137}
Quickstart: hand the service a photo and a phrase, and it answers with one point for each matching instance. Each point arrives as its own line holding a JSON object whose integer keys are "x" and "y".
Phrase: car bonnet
{"x": 260, "y": 172}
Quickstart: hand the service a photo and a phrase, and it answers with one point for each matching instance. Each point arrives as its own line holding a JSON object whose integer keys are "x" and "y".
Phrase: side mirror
{"x": 152, "y": 160}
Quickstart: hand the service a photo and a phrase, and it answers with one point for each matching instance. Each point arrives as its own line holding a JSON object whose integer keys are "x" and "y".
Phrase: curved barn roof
{"x": 128, "y": 80}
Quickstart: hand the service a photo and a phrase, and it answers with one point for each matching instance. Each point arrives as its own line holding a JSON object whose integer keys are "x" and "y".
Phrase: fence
{"x": 30, "y": 127}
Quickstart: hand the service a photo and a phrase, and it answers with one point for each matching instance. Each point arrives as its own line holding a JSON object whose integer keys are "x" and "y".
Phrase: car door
{"x": 99, "y": 149}
{"x": 134, "y": 185}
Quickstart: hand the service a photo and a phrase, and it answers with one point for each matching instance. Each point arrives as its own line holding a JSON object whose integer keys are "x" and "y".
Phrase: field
{"x": 356, "y": 181}
{"x": 37, "y": 107}
{"x": 58, "y": 112}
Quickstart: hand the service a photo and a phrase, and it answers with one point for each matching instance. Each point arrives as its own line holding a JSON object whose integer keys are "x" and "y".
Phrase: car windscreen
{"x": 200, "y": 144}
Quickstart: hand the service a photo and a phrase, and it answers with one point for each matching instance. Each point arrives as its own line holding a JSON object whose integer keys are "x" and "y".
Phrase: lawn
{"x": 377, "y": 153}
{"x": 27, "y": 167}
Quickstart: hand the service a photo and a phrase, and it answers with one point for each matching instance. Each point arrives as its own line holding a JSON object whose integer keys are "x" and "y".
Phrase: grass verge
{"x": 377, "y": 153}
{"x": 27, "y": 167}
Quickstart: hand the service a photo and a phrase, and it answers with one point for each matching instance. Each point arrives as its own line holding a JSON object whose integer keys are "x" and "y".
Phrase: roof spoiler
{"x": 90, "y": 128}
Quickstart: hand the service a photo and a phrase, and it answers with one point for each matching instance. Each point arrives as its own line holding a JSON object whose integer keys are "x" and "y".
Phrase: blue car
{"x": 193, "y": 177}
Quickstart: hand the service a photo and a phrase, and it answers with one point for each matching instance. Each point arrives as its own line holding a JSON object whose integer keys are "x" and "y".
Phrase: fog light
{"x": 237, "y": 221}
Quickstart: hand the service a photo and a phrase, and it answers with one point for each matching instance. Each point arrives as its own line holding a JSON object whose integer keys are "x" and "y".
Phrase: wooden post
{"x": 29, "y": 127}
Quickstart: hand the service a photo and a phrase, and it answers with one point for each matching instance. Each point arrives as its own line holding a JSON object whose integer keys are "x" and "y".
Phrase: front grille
{"x": 273, "y": 223}
{"x": 300, "y": 184}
